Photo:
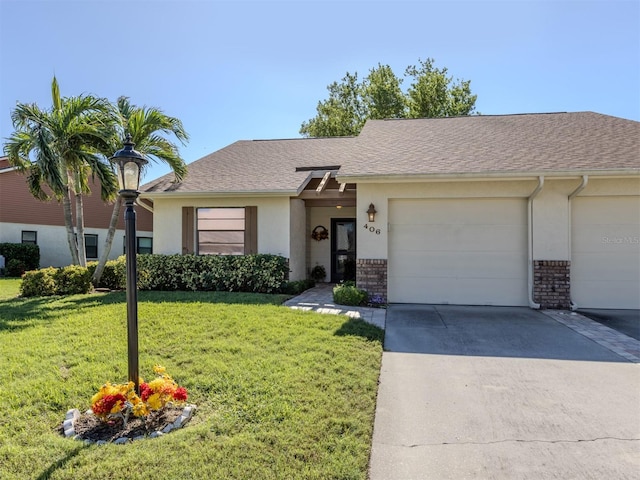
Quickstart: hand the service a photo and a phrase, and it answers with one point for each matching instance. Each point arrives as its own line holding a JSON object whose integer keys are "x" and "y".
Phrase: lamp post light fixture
{"x": 130, "y": 163}
{"x": 372, "y": 213}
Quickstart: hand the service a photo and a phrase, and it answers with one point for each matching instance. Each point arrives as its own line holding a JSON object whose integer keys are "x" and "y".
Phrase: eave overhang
{"x": 479, "y": 176}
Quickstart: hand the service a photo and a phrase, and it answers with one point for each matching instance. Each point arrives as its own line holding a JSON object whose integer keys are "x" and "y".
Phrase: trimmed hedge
{"x": 232, "y": 273}
{"x": 20, "y": 257}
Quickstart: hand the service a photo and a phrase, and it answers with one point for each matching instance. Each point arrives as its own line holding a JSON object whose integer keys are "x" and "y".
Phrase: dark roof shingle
{"x": 500, "y": 144}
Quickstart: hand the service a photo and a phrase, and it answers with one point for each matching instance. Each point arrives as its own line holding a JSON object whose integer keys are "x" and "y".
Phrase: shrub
{"x": 38, "y": 283}
{"x": 114, "y": 275}
{"x": 345, "y": 294}
{"x": 69, "y": 280}
{"x": 72, "y": 280}
{"x": 298, "y": 286}
{"x": 318, "y": 273}
{"x": 15, "y": 267}
{"x": 26, "y": 253}
{"x": 233, "y": 273}
{"x": 248, "y": 273}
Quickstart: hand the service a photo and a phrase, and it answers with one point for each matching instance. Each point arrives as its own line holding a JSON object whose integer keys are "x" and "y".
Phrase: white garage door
{"x": 605, "y": 250}
{"x": 452, "y": 251}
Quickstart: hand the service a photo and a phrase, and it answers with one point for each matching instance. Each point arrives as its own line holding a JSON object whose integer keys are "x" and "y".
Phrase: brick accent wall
{"x": 551, "y": 283}
{"x": 371, "y": 275}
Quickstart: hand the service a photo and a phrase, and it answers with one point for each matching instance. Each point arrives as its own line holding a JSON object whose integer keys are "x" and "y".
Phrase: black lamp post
{"x": 130, "y": 163}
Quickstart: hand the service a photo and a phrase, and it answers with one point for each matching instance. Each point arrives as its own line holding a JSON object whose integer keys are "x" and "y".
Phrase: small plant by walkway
{"x": 280, "y": 393}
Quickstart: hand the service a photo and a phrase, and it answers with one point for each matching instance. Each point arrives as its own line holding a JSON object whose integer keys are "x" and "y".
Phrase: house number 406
{"x": 372, "y": 229}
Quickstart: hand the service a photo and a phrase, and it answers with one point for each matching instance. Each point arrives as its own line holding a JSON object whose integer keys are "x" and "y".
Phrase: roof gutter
{"x": 533, "y": 195}
{"x": 444, "y": 177}
{"x": 204, "y": 194}
{"x": 144, "y": 205}
{"x": 583, "y": 184}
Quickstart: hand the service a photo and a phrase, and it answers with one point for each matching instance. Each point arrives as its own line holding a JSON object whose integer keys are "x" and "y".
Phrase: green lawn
{"x": 281, "y": 394}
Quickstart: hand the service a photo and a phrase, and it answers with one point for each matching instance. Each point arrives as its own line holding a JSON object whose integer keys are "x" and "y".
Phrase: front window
{"x": 145, "y": 245}
{"x": 221, "y": 231}
{"x": 30, "y": 236}
{"x": 91, "y": 245}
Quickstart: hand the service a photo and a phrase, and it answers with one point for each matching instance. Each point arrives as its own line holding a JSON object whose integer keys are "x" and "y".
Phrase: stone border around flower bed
{"x": 74, "y": 414}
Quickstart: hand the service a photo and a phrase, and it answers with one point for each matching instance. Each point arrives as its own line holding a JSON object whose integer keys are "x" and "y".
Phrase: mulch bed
{"x": 90, "y": 427}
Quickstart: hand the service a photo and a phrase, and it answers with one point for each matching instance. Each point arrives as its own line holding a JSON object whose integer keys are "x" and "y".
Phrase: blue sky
{"x": 243, "y": 70}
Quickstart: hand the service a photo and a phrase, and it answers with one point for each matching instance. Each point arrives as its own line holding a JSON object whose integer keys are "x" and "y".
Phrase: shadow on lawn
{"x": 49, "y": 308}
{"x": 60, "y": 463}
{"x": 38, "y": 309}
{"x": 360, "y": 328}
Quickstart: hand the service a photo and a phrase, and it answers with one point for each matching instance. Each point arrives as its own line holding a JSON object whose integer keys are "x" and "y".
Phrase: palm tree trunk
{"x": 115, "y": 214}
{"x": 68, "y": 223}
{"x": 82, "y": 253}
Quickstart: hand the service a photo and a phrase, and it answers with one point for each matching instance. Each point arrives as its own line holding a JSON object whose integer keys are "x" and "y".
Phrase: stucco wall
{"x": 298, "y": 247}
{"x": 273, "y": 221}
{"x": 52, "y": 240}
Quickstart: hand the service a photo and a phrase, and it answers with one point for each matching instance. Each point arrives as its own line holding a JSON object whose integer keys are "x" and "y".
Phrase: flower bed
{"x": 154, "y": 412}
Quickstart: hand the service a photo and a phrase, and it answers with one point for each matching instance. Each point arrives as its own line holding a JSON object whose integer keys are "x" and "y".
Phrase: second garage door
{"x": 453, "y": 251}
{"x": 605, "y": 264}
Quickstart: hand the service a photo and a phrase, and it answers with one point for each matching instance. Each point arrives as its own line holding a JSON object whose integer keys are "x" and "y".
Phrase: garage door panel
{"x": 466, "y": 212}
{"x": 458, "y": 265}
{"x": 605, "y": 263}
{"x": 478, "y": 238}
{"x": 593, "y": 266}
{"x": 450, "y": 290}
{"x": 458, "y": 251}
{"x": 619, "y": 294}
{"x": 616, "y": 239}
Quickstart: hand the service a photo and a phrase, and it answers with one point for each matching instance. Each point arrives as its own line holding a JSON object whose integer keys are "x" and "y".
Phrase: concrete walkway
{"x": 320, "y": 299}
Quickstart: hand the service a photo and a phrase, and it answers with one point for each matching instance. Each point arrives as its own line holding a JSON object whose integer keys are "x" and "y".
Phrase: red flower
{"x": 145, "y": 392}
{"x": 106, "y": 403}
{"x": 180, "y": 394}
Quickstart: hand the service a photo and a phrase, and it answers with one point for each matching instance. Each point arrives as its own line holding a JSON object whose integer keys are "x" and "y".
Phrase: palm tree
{"x": 146, "y": 127}
{"x": 60, "y": 149}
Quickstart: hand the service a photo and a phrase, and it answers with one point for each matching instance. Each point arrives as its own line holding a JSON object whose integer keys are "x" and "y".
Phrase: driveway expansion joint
{"x": 513, "y": 440}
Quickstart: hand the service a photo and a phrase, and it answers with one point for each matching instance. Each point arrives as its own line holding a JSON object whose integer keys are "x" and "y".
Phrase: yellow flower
{"x": 157, "y": 384}
{"x": 154, "y": 401}
{"x": 159, "y": 369}
{"x": 140, "y": 409}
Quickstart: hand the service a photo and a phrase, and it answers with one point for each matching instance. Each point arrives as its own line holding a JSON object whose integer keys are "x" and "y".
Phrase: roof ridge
{"x": 478, "y": 116}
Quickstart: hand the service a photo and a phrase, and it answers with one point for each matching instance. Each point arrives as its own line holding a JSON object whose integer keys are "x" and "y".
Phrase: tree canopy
{"x": 431, "y": 93}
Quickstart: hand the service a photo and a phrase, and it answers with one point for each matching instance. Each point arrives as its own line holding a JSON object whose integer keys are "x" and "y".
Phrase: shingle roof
{"x": 256, "y": 166}
{"x": 484, "y": 144}
{"x": 553, "y": 142}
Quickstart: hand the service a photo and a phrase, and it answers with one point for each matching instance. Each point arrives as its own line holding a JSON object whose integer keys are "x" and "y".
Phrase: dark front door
{"x": 343, "y": 249}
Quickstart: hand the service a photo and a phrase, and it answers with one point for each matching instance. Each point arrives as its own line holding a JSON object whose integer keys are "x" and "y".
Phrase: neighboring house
{"x": 23, "y": 219}
{"x": 533, "y": 209}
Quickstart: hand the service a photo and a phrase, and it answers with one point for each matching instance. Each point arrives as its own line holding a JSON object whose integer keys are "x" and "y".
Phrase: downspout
{"x": 585, "y": 180}
{"x": 533, "y": 195}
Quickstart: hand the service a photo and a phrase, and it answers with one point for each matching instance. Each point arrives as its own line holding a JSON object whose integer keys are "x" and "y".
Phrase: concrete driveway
{"x": 501, "y": 393}
{"x": 624, "y": 321}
